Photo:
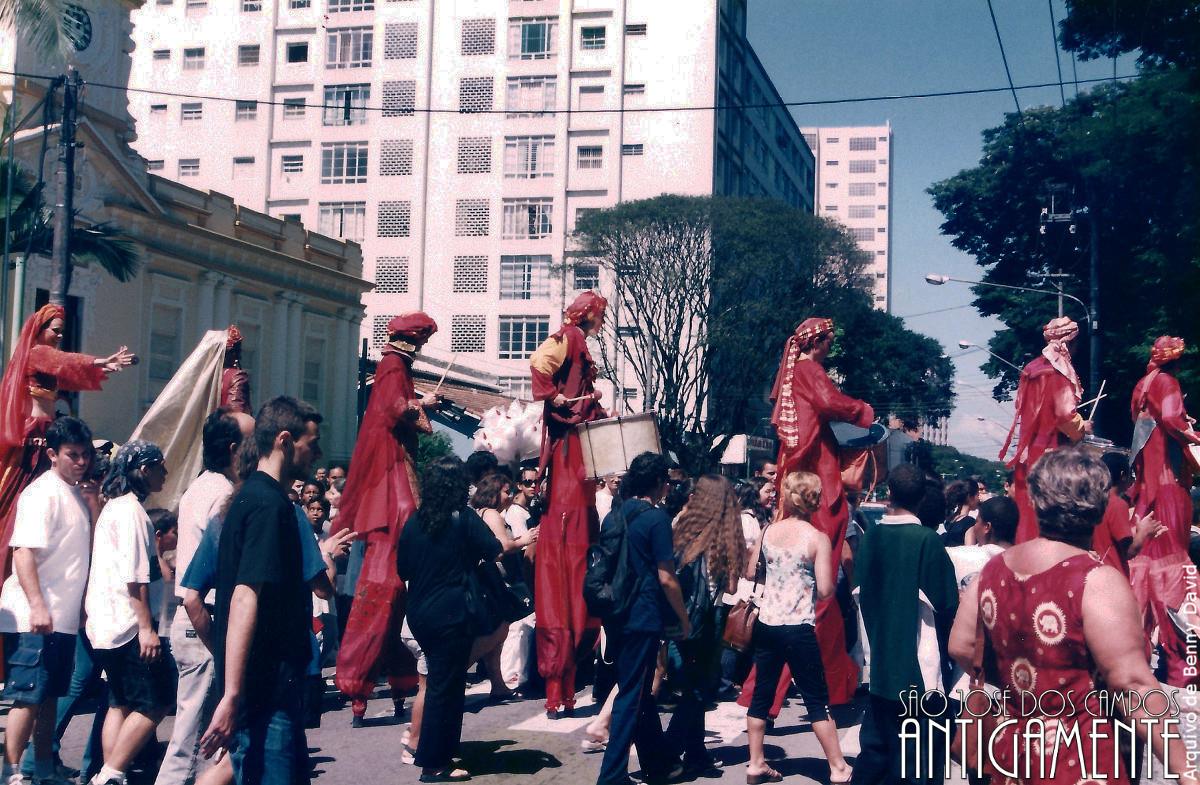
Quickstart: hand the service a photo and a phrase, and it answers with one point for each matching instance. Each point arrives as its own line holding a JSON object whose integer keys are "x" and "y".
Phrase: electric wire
{"x": 1004, "y": 59}
{"x": 1062, "y": 92}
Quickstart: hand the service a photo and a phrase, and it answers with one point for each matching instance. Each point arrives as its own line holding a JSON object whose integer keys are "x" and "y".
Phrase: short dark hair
{"x": 761, "y": 463}
{"x": 221, "y": 432}
{"x": 931, "y": 510}
{"x": 278, "y": 415}
{"x": 1069, "y": 490}
{"x": 320, "y": 485}
{"x": 646, "y": 472}
{"x": 906, "y": 487}
{"x": 1118, "y": 466}
{"x": 480, "y": 463}
{"x": 68, "y": 430}
{"x": 1002, "y": 514}
{"x": 321, "y": 500}
{"x": 162, "y": 520}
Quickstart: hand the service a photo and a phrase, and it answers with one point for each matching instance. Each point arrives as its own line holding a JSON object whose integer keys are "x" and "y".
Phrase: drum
{"x": 1101, "y": 446}
{"x": 610, "y": 445}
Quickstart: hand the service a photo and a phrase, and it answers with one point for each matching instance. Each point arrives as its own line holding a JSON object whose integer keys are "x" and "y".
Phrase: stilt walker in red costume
{"x": 381, "y": 493}
{"x": 235, "y": 382}
{"x": 806, "y": 402}
{"x": 1162, "y": 432}
{"x": 1048, "y": 394}
{"x": 563, "y": 376}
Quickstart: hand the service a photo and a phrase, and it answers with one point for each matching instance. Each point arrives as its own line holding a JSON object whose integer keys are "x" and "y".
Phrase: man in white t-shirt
{"x": 517, "y": 514}
{"x": 202, "y": 506}
{"x": 609, "y": 492}
{"x": 41, "y": 600}
{"x": 120, "y": 623}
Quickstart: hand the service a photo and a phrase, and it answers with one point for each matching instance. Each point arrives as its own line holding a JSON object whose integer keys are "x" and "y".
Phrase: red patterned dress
{"x": 1034, "y": 626}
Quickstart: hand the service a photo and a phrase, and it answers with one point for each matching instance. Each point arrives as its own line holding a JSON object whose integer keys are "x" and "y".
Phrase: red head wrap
{"x": 16, "y": 404}
{"x": 415, "y": 327}
{"x": 811, "y": 329}
{"x": 784, "y": 416}
{"x": 588, "y": 307}
{"x": 234, "y": 337}
{"x": 1166, "y": 348}
{"x": 1057, "y": 333}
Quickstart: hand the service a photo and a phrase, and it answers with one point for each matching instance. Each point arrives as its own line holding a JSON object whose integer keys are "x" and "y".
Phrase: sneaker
{"x": 16, "y": 778}
{"x": 110, "y": 781}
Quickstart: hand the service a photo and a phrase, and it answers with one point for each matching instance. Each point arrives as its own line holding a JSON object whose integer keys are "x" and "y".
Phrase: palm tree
{"x": 47, "y": 25}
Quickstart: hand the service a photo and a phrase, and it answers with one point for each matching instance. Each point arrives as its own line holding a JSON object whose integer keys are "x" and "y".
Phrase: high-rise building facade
{"x": 854, "y": 186}
{"x": 458, "y": 142}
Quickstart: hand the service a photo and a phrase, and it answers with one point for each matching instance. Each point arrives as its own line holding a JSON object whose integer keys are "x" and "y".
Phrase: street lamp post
{"x": 935, "y": 279}
{"x": 969, "y": 345}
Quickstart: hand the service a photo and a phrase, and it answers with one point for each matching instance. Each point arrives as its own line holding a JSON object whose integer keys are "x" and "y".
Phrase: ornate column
{"x": 204, "y": 302}
{"x": 295, "y": 345}
{"x": 344, "y": 384}
{"x": 223, "y": 305}
{"x": 278, "y": 356}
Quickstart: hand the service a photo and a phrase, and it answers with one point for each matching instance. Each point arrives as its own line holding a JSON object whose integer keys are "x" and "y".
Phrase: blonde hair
{"x": 800, "y": 493}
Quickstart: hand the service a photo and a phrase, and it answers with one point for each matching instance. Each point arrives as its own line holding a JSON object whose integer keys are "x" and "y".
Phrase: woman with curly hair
{"x": 710, "y": 553}
{"x": 442, "y": 541}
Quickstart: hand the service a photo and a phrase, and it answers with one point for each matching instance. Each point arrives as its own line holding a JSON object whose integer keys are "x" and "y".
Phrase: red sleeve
{"x": 394, "y": 392}
{"x": 1166, "y": 404}
{"x": 828, "y": 401}
{"x": 74, "y": 372}
{"x": 1116, "y": 519}
{"x": 237, "y": 398}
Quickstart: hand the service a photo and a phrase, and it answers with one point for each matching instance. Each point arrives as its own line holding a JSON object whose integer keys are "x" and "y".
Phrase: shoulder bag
{"x": 739, "y": 624}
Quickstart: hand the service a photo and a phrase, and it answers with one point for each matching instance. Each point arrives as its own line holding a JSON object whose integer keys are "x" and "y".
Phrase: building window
{"x": 245, "y": 110}
{"x": 296, "y": 5}
{"x": 399, "y": 98}
{"x": 591, "y": 38}
{"x": 251, "y": 6}
{"x": 342, "y": 6}
{"x": 532, "y": 39}
{"x": 193, "y": 58}
{"x": 478, "y": 37}
{"x": 468, "y": 333}
{"x": 862, "y": 234}
{"x": 831, "y": 208}
{"x": 635, "y": 89}
{"x": 528, "y": 157}
{"x": 162, "y": 54}
{"x": 632, "y": 149}
{"x": 291, "y": 164}
{"x": 343, "y": 220}
{"x": 379, "y": 330}
{"x": 583, "y": 212}
{"x": 520, "y": 336}
{"x": 400, "y": 41}
{"x": 862, "y": 167}
{"x": 293, "y": 108}
{"x": 475, "y": 94}
{"x": 528, "y": 219}
{"x": 158, "y": 109}
{"x": 474, "y": 155}
{"x": 248, "y": 54}
{"x": 861, "y": 211}
{"x": 155, "y": 165}
{"x": 881, "y": 253}
{"x": 243, "y": 167}
{"x": 195, "y": 7}
{"x": 586, "y": 276}
{"x": 519, "y": 387}
{"x": 525, "y": 277}
{"x": 189, "y": 167}
{"x": 395, "y": 157}
{"x": 859, "y": 143}
{"x": 472, "y": 218}
{"x": 881, "y": 275}
{"x": 349, "y": 47}
{"x": 470, "y": 275}
{"x": 297, "y": 52}
{"x": 530, "y": 96}
{"x": 190, "y": 112}
{"x": 312, "y": 378}
{"x": 636, "y": 29}
{"x": 394, "y": 219}
{"x": 589, "y": 157}
{"x": 391, "y": 275}
{"x": 591, "y": 97}
{"x": 343, "y": 162}
{"x": 862, "y": 189}
{"x": 346, "y": 104}
{"x": 166, "y": 343}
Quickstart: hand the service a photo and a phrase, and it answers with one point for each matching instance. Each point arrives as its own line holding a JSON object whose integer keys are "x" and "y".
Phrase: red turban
{"x": 811, "y": 329}
{"x": 784, "y": 416}
{"x": 588, "y": 307}
{"x": 416, "y": 326}
{"x": 1057, "y": 332}
{"x": 235, "y": 337}
{"x": 1061, "y": 329}
{"x": 1166, "y": 348}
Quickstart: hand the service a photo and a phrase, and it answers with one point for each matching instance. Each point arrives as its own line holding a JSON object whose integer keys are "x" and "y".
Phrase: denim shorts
{"x": 39, "y": 667}
{"x": 270, "y": 748}
{"x": 133, "y": 683}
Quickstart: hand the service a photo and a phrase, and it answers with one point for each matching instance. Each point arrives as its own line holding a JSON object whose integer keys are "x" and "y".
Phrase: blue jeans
{"x": 86, "y": 685}
{"x": 270, "y": 748}
{"x": 635, "y": 712}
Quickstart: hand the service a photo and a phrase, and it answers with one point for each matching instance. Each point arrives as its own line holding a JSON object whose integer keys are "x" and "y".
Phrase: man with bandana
{"x": 1162, "y": 432}
{"x": 1048, "y": 396}
{"x": 563, "y": 376}
{"x": 380, "y": 494}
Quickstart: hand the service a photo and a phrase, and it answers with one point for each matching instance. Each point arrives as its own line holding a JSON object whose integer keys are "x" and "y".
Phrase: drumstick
{"x": 580, "y": 398}
{"x": 449, "y": 365}
{"x": 1096, "y": 405}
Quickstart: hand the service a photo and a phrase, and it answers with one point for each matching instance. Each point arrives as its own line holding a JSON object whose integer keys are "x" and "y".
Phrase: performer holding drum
{"x": 563, "y": 376}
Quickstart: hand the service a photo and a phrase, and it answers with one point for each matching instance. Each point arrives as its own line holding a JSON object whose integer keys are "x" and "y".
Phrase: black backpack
{"x": 610, "y": 583}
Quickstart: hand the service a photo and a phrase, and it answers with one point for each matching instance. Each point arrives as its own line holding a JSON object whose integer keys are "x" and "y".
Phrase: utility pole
{"x": 64, "y": 179}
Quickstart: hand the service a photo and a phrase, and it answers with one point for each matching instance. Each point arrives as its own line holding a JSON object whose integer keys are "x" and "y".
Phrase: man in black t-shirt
{"x": 264, "y": 607}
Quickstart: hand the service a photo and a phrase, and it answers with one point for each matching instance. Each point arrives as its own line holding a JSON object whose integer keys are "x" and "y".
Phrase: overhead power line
{"x": 621, "y": 110}
{"x": 1004, "y": 58}
{"x": 1057, "y": 59}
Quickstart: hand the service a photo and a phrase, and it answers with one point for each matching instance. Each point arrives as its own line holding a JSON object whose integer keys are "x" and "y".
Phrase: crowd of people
{"x": 226, "y": 607}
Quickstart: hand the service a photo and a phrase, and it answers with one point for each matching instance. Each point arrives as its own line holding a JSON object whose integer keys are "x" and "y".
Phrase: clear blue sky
{"x": 849, "y": 48}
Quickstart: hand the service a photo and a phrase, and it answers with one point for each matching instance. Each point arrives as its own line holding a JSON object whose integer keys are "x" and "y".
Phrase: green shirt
{"x": 898, "y": 559}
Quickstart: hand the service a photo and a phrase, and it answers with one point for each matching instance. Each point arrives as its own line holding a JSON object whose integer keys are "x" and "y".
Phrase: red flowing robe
{"x": 562, "y": 364}
{"x": 1163, "y": 477}
{"x": 380, "y": 494}
{"x": 1047, "y": 417}
{"x": 818, "y": 403}
{"x": 235, "y": 390}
